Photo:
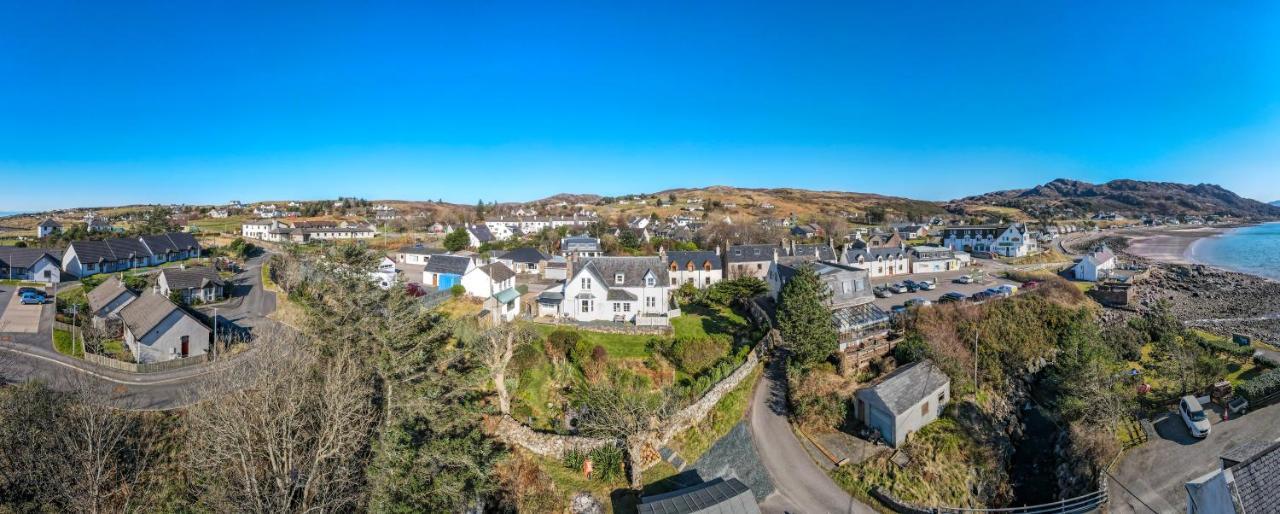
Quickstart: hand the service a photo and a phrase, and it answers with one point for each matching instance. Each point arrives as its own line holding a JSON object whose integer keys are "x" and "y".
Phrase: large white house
{"x": 701, "y": 268}
{"x": 619, "y": 289}
{"x": 1007, "y": 240}
{"x": 1096, "y": 265}
{"x": 306, "y": 231}
{"x": 879, "y": 261}
{"x": 156, "y": 330}
{"x": 503, "y": 228}
{"x": 259, "y": 229}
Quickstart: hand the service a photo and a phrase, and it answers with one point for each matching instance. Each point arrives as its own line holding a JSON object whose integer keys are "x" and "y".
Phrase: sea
{"x": 1254, "y": 249}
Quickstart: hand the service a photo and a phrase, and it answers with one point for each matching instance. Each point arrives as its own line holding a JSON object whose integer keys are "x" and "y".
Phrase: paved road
{"x": 802, "y": 486}
{"x": 25, "y": 357}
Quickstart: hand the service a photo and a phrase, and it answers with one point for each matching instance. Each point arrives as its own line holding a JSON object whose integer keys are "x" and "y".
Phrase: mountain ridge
{"x": 1123, "y": 196}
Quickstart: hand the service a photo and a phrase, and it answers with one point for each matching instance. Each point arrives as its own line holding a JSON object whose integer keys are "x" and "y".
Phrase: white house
{"x": 1245, "y": 481}
{"x": 259, "y": 229}
{"x": 478, "y": 235}
{"x": 417, "y": 254}
{"x": 106, "y": 300}
{"x": 1007, "y": 240}
{"x": 1096, "y": 265}
{"x": 35, "y": 264}
{"x": 700, "y": 268}
{"x": 906, "y": 400}
{"x": 385, "y": 275}
{"x": 577, "y": 247}
{"x": 933, "y": 259}
{"x": 619, "y": 289}
{"x": 885, "y": 261}
{"x": 47, "y": 228}
{"x": 496, "y": 284}
{"x": 525, "y": 260}
{"x": 156, "y": 330}
{"x": 198, "y": 284}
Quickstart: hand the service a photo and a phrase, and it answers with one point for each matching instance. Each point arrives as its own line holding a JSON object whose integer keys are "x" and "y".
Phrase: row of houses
{"x": 305, "y": 231}
{"x": 504, "y": 228}
{"x": 90, "y": 257}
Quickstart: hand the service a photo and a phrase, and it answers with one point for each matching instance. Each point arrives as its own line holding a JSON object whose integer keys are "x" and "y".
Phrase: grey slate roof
{"x": 633, "y": 270}
{"x": 620, "y": 295}
{"x": 171, "y": 242}
{"x": 497, "y": 271}
{"x": 1244, "y": 451}
{"x": 698, "y": 258}
{"x": 1257, "y": 481}
{"x": 751, "y": 253}
{"x": 907, "y": 386}
{"x": 580, "y": 244}
{"x": 717, "y": 496}
{"x": 448, "y": 264}
{"x": 197, "y": 278}
{"x": 146, "y": 312}
{"x": 107, "y": 291}
{"x": 816, "y": 251}
{"x": 527, "y": 255}
{"x": 14, "y": 257}
{"x": 481, "y": 232}
{"x": 50, "y": 223}
{"x": 109, "y": 250}
{"x": 421, "y": 250}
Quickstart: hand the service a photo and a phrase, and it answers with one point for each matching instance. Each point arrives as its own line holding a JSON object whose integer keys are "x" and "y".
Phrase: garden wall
{"x": 515, "y": 433}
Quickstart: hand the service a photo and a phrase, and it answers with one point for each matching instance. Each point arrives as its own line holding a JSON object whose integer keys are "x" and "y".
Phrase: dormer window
{"x": 618, "y": 278}
{"x": 649, "y": 281}
{"x": 690, "y": 266}
{"x": 673, "y": 266}
{"x": 706, "y": 266}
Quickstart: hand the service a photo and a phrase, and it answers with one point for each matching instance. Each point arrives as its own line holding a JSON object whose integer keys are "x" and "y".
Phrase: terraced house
{"x": 701, "y": 268}
{"x": 90, "y": 257}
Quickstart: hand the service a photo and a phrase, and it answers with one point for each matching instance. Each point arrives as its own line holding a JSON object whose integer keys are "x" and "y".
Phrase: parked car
{"x": 980, "y": 297}
{"x": 883, "y": 292}
{"x": 32, "y": 290}
{"x": 952, "y": 297}
{"x": 1031, "y": 284}
{"x": 964, "y": 279}
{"x": 898, "y": 288}
{"x": 898, "y": 310}
{"x": 928, "y": 285}
{"x": 1194, "y": 417}
{"x": 32, "y": 299}
{"x": 917, "y": 302}
{"x": 996, "y": 292}
{"x": 1007, "y": 289}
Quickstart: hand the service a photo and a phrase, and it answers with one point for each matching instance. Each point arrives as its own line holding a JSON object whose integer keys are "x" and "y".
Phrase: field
{"x": 230, "y": 224}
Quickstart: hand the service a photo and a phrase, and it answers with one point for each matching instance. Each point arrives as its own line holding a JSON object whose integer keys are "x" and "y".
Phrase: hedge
{"x": 1225, "y": 346}
{"x": 1261, "y": 386}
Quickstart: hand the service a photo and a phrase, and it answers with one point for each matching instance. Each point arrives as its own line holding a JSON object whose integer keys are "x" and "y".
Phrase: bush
{"x": 560, "y": 342}
{"x": 599, "y": 355}
{"x": 815, "y": 398}
{"x": 692, "y": 355}
{"x": 573, "y": 459}
{"x": 580, "y": 354}
{"x": 1260, "y": 386}
{"x": 457, "y": 290}
{"x": 606, "y": 463}
{"x": 911, "y": 350}
{"x": 1226, "y": 346}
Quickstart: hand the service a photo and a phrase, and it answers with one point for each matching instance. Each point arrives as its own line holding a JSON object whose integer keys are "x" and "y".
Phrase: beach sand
{"x": 1168, "y": 244}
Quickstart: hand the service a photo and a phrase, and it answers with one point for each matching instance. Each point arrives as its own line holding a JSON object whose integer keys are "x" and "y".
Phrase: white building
{"x": 156, "y": 330}
{"x": 1006, "y": 240}
{"x": 106, "y": 301}
{"x": 933, "y": 259}
{"x": 47, "y": 228}
{"x": 1096, "y": 265}
{"x": 198, "y": 284}
{"x": 259, "y": 229}
{"x": 618, "y": 289}
{"x": 503, "y": 228}
{"x": 578, "y": 247}
{"x": 34, "y": 264}
{"x": 886, "y": 261}
{"x": 496, "y": 284}
{"x": 906, "y": 400}
{"x": 701, "y": 268}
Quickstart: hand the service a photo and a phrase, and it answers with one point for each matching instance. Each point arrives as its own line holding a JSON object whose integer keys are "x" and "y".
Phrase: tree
{"x": 623, "y": 409}
{"x": 628, "y": 239}
{"x": 738, "y": 289}
{"x": 804, "y": 320}
{"x": 495, "y": 348}
{"x": 480, "y": 209}
{"x": 457, "y": 240}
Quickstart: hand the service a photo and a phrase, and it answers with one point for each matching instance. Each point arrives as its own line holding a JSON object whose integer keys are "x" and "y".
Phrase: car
{"x": 898, "y": 310}
{"x": 898, "y": 288}
{"x": 927, "y": 285}
{"x": 963, "y": 279}
{"x": 883, "y": 292}
{"x": 996, "y": 292}
{"x": 1031, "y": 284}
{"x": 981, "y": 297}
{"x": 917, "y": 302}
{"x": 1193, "y": 416}
{"x": 25, "y": 290}
{"x": 31, "y": 299}
{"x": 1007, "y": 289}
{"x": 952, "y": 297}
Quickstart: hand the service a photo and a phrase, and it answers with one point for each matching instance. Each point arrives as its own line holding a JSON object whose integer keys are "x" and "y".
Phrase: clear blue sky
{"x": 119, "y": 102}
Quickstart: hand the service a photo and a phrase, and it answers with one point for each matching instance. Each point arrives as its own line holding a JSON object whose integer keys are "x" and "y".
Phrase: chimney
{"x": 662, "y": 254}
{"x": 717, "y": 250}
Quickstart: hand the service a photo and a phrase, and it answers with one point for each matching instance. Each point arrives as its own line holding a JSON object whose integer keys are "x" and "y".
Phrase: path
{"x": 801, "y": 485}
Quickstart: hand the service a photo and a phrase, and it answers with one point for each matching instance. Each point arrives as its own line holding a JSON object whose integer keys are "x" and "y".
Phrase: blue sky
{"x": 206, "y": 102}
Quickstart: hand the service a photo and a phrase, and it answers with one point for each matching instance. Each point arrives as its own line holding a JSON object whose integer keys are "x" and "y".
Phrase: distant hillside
{"x": 1067, "y": 198}
{"x": 1276, "y": 203}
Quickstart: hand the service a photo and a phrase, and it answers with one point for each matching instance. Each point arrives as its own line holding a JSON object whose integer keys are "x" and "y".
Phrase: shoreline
{"x": 1172, "y": 245}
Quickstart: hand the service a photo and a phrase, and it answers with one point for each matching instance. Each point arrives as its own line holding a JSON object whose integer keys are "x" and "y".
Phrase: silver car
{"x": 1194, "y": 417}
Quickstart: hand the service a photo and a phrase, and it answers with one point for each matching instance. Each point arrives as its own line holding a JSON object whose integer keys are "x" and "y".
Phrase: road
{"x": 802, "y": 486}
{"x": 31, "y": 356}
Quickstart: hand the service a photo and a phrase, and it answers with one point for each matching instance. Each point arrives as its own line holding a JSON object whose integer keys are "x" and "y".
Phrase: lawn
{"x": 9, "y": 282}
{"x": 116, "y": 350}
{"x": 225, "y": 225}
{"x": 63, "y": 344}
{"x": 621, "y": 346}
{"x": 701, "y": 320}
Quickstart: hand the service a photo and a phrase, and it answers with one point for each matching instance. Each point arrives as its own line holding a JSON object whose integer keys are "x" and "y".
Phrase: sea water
{"x": 1253, "y": 249}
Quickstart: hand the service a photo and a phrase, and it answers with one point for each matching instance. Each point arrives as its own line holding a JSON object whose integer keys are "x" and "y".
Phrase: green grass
{"x": 620, "y": 346}
{"x": 9, "y": 282}
{"x": 63, "y": 344}
{"x": 698, "y": 321}
{"x": 117, "y": 350}
{"x": 570, "y": 481}
{"x": 225, "y": 225}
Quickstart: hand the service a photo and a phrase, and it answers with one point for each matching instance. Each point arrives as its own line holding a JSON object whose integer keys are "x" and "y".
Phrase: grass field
{"x": 63, "y": 344}
{"x": 224, "y": 225}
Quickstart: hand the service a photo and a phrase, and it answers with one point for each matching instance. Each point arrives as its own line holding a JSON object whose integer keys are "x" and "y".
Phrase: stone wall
{"x": 691, "y": 415}
{"x": 514, "y": 433}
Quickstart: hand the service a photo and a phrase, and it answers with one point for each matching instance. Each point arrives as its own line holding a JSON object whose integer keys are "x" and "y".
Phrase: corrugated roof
{"x": 717, "y": 496}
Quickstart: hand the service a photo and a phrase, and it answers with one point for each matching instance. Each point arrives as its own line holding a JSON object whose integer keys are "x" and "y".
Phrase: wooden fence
{"x": 149, "y": 367}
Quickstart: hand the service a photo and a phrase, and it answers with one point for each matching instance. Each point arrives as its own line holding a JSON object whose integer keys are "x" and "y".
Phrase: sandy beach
{"x": 1170, "y": 245}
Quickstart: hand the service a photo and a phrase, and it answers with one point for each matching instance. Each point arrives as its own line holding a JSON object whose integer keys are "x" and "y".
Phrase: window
{"x": 617, "y": 307}
{"x": 626, "y": 307}
{"x": 586, "y": 282}
{"x": 618, "y": 278}
{"x": 942, "y": 398}
{"x": 706, "y": 266}
{"x": 586, "y": 306}
{"x": 924, "y": 409}
{"x": 759, "y": 266}
{"x": 650, "y": 281}
{"x": 690, "y": 266}
{"x": 707, "y": 281}
{"x": 650, "y": 302}
{"x": 674, "y": 281}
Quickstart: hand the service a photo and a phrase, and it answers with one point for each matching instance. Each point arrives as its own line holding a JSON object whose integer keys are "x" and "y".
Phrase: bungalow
{"x": 47, "y": 228}
{"x": 526, "y": 260}
{"x": 495, "y": 283}
{"x": 89, "y": 257}
{"x": 750, "y": 260}
{"x": 93, "y": 223}
{"x": 701, "y": 268}
{"x": 1096, "y": 265}
{"x": 1007, "y": 240}
{"x": 913, "y": 231}
{"x": 417, "y": 254}
{"x": 619, "y": 289}
{"x": 578, "y": 247}
{"x": 933, "y": 259}
{"x": 106, "y": 301}
{"x": 199, "y": 284}
{"x": 906, "y": 400}
{"x": 174, "y": 246}
{"x": 156, "y": 330}
{"x": 478, "y": 235}
{"x": 445, "y": 271}
{"x": 35, "y": 264}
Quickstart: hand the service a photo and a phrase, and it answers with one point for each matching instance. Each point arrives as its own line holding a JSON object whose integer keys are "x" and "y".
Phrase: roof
{"x": 907, "y": 386}
{"x": 421, "y": 250}
{"x": 682, "y": 259}
{"x": 1257, "y": 481}
{"x": 580, "y": 243}
{"x": 108, "y": 249}
{"x": 49, "y": 223}
{"x": 481, "y": 233}
{"x": 171, "y": 242}
{"x": 633, "y": 270}
{"x": 1241, "y": 452}
{"x": 507, "y": 295}
{"x": 190, "y": 278}
{"x": 815, "y": 251}
{"x": 528, "y": 255}
{"x": 497, "y": 271}
{"x": 751, "y": 253}
{"x": 146, "y": 312}
{"x": 717, "y": 496}
{"x": 107, "y": 291}
{"x": 448, "y": 264}
{"x": 620, "y": 295}
{"x": 14, "y": 257}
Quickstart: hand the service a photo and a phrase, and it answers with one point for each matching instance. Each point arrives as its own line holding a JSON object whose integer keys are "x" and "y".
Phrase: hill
{"x": 1133, "y": 198}
{"x": 1276, "y": 203}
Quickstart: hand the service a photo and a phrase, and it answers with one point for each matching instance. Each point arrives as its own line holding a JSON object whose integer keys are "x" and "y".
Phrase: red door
{"x": 186, "y": 342}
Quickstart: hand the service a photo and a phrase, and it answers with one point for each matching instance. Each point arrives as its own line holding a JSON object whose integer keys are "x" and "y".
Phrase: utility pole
{"x": 215, "y": 333}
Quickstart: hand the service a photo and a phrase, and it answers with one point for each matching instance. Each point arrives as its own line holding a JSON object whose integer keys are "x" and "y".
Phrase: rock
{"x": 584, "y": 503}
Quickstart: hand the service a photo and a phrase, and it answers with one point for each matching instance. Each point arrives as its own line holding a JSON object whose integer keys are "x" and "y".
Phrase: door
{"x": 186, "y": 345}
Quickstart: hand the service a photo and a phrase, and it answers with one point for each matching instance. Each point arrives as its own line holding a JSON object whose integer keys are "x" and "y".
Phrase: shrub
{"x": 580, "y": 353}
{"x": 560, "y": 342}
{"x": 815, "y": 397}
{"x": 606, "y": 463}
{"x": 1260, "y": 386}
{"x": 573, "y": 459}
{"x": 1223, "y": 345}
{"x": 694, "y": 354}
{"x": 457, "y": 290}
{"x": 911, "y": 350}
{"x": 599, "y": 354}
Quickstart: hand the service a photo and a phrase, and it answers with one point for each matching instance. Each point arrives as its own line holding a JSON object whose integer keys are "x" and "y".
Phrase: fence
{"x": 1091, "y": 502}
{"x": 148, "y": 367}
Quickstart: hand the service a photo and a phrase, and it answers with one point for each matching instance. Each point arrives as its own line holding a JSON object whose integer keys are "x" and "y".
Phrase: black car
{"x": 32, "y": 290}
{"x": 952, "y": 297}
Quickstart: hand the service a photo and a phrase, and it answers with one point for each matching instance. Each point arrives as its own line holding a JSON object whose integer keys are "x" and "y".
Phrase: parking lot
{"x": 18, "y": 318}
{"x": 945, "y": 282}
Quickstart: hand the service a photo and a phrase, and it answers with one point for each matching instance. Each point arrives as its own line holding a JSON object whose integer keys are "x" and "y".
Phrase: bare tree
{"x": 496, "y": 347}
{"x": 624, "y": 410}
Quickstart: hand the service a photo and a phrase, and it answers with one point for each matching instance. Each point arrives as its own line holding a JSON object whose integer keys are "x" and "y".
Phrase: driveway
{"x": 1151, "y": 477}
{"x": 18, "y": 318}
{"x": 801, "y": 486}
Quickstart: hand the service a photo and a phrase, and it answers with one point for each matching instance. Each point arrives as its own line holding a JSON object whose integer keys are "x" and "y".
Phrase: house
{"x": 443, "y": 271}
{"x": 806, "y": 231}
{"x": 174, "y": 246}
{"x": 906, "y": 400}
{"x": 1246, "y": 482}
{"x": 702, "y": 268}
{"x": 156, "y": 330}
{"x": 933, "y": 259}
{"x": 886, "y": 261}
{"x": 95, "y": 224}
{"x": 385, "y": 275}
{"x": 478, "y": 235}
{"x": 106, "y": 301}
{"x": 619, "y": 289}
{"x": 496, "y": 284}
{"x": 267, "y": 211}
{"x": 578, "y": 247}
{"x": 194, "y": 285}
{"x": 1096, "y": 265}
{"x": 1006, "y": 240}
{"x": 550, "y": 301}
{"x": 855, "y": 316}
{"x": 47, "y": 228}
{"x": 913, "y": 231}
{"x": 259, "y": 229}
{"x": 34, "y": 264}
{"x": 439, "y": 228}
{"x": 556, "y": 268}
{"x": 717, "y": 496}
{"x": 384, "y": 213}
{"x": 417, "y": 254}
{"x": 811, "y": 252}
{"x": 89, "y": 257}
{"x": 750, "y": 260}
{"x": 525, "y": 260}
{"x": 219, "y": 213}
